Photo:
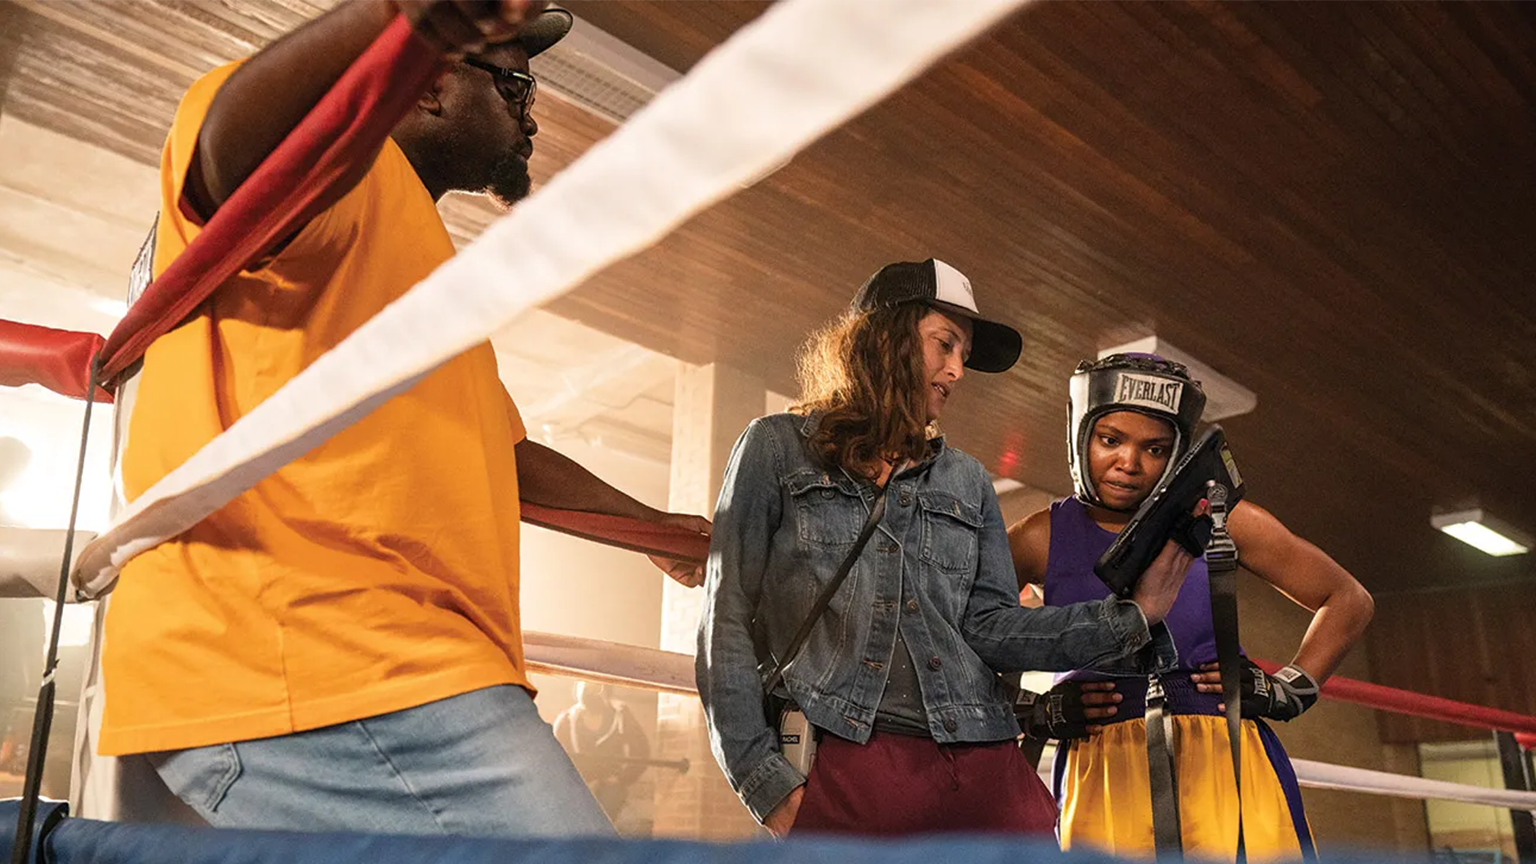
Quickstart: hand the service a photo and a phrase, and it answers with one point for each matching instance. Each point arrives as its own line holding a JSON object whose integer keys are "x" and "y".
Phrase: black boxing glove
{"x": 1282, "y": 696}
{"x": 1057, "y": 713}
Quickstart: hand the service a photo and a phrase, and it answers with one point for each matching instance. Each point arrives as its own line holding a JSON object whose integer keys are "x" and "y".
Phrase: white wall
{"x": 580, "y": 588}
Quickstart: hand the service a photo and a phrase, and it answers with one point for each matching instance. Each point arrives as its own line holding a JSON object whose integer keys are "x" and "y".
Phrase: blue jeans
{"x": 479, "y": 764}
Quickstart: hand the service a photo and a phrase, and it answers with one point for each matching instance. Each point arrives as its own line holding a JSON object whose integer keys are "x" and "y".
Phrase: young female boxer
{"x": 1132, "y": 416}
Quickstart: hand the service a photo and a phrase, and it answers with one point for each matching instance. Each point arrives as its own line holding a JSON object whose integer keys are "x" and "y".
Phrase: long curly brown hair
{"x": 864, "y": 374}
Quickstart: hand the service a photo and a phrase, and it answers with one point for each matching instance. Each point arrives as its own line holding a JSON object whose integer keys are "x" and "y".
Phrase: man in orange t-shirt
{"x": 339, "y": 648}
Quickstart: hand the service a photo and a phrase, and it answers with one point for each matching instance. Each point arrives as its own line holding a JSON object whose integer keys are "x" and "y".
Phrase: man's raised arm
{"x": 267, "y": 96}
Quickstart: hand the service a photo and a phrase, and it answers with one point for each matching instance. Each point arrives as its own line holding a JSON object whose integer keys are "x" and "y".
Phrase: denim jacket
{"x": 939, "y": 564}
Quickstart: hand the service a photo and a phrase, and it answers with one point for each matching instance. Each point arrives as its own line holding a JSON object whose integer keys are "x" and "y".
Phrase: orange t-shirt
{"x": 376, "y": 573}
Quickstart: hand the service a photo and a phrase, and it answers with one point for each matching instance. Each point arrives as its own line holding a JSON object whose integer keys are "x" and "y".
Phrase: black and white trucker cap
{"x": 994, "y": 347}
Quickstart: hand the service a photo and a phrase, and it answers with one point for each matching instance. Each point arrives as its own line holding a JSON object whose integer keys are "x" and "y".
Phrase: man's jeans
{"x": 479, "y": 764}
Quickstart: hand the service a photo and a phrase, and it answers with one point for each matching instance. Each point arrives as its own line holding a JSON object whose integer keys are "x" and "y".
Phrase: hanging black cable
{"x": 42, "y": 718}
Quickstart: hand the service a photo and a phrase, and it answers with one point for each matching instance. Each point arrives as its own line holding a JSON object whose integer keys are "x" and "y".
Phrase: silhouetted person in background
{"x": 605, "y": 742}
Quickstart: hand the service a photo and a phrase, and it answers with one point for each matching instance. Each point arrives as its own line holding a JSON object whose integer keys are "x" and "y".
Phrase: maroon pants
{"x": 898, "y": 784}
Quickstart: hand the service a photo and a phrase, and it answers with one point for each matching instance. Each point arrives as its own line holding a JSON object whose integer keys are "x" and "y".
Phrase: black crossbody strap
{"x": 42, "y": 718}
{"x": 876, "y": 513}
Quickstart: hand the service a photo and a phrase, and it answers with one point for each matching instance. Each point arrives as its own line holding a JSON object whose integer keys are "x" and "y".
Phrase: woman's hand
{"x": 1067, "y": 710}
{"x": 1099, "y": 700}
{"x": 1282, "y": 696}
{"x": 782, "y": 818}
{"x": 1159, "y": 584}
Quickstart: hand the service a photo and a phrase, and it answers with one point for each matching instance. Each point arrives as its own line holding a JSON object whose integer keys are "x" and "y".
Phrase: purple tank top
{"x": 1077, "y": 542}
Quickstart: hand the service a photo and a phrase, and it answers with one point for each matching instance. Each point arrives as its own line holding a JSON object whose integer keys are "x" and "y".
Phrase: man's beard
{"x": 509, "y": 182}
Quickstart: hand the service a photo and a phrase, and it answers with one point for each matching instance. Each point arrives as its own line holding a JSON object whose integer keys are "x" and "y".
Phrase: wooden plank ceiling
{"x": 1331, "y": 203}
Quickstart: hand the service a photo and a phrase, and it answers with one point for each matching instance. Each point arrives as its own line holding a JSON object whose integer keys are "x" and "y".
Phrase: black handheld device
{"x": 1165, "y": 515}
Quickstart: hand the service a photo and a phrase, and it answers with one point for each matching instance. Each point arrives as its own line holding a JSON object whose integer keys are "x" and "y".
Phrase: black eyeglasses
{"x": 515, "y": 86}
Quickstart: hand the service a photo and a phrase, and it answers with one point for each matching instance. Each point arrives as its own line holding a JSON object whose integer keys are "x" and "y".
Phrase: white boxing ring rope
{"x": 28, "y": 557}
{"x": 1322, "y": 775}
{"x": 609, "y": 662}
{"x": 801, "y": 69}
{"x": 671, "y": 672}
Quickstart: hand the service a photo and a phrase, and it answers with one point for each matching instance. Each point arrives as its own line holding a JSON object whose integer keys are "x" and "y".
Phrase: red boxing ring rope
{"x": 1383, "y": 698}
{"x": 620, "y": 531}
{"x": 57, "y": 359}
{"x": 285, "y": 191}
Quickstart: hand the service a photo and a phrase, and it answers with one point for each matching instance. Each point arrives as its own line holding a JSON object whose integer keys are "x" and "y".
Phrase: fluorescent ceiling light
{"x": 1475, "y": 528}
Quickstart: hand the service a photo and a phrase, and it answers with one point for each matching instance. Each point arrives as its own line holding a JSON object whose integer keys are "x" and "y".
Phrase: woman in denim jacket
{"x": 900, "y": 675}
